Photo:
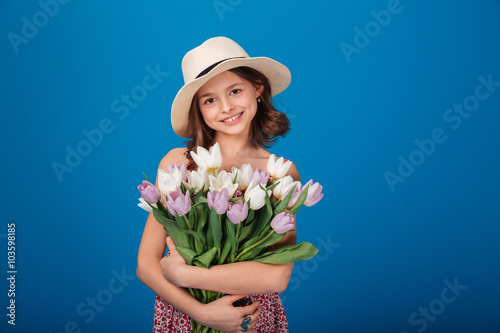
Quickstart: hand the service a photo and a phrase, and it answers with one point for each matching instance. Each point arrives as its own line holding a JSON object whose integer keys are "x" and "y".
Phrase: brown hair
{"x": 267, "y": 125}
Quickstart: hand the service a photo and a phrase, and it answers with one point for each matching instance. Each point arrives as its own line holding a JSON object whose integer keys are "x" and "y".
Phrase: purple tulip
{"x": 314, "y": 194}
{"x": 178, "y": 203}
{"x": 297, "y": 192}
{"x": 219, "y": 200}
{"x": 283, "y": 222}
{"x": 237, "y": 211}
{"x": 149, "y": 192}
{"x": 260, "y": 176}
{"x": 182, "y": 169}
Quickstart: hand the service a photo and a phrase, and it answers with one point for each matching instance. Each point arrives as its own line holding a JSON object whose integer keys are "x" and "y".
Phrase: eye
{"x": 209, "y": 101}
{"x": 235, "y": 91}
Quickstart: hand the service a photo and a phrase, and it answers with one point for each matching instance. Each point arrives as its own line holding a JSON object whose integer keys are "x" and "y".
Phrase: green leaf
{"x": 206, "y": 258}
{"x": 230, "y": 231}
{"x": 193, "y": 218}
{"x": 199, "y": 196}
{"x": 181, "y": 222}
{"x": 226, "y": 248}
{"x": 250, "y": 217}
{"x": 145, "y": 176}
{"x": 284, "y": 202}
{"x": 299, "y": 202}
{"x": 270, "y": 187}
{"x": 172, "y": 229}
{"x": 235, "y": 177}
{"x": 187, "y": 254}
{"x": 199, "y": 241}
{"x": 215, "y": 227}
{"x": 289, "y": 253}
{"x": 201, "y": 214}
{"x": 245, "y": 232}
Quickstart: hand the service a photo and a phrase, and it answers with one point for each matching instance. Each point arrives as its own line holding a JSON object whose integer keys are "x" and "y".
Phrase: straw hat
{"x": 213, "y": 57}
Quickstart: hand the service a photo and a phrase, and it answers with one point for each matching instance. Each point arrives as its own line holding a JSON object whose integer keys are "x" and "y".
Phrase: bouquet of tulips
{"x": 218, "y": 217}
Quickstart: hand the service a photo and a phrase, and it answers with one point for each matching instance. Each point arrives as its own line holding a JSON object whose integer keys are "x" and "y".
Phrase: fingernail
{"x": 169, "y": 238}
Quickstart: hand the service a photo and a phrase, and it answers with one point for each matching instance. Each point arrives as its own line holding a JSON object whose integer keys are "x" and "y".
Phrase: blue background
{"x": 386, "y": 252}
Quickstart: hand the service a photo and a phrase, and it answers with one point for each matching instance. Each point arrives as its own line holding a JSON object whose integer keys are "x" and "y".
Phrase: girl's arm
{"x": 220, "y": 314}
{"x": 247, "y": 277}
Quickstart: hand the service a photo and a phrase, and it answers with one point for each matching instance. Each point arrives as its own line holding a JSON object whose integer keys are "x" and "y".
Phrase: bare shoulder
{"x": 294, "y": 172}
{"x": 175, "y": 156}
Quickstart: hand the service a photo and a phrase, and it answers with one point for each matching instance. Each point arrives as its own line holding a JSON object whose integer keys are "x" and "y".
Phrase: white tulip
{"x": 284, "y": 185}
{"x": 256, "y": 196}
{"x": 197, "y": 179}
{"x": 244, "y": 175}
{"x": 223, "y": 179}
{"x": 209, "y": 160}
{"x": 278, "y": 168}
{"x": 169, "y": 181}
{"x": 144, "y": 205}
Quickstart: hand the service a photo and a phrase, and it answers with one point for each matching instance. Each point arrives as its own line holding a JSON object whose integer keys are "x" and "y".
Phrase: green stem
{"x": 187, "y": 221}
{"x": 254, "y": 245}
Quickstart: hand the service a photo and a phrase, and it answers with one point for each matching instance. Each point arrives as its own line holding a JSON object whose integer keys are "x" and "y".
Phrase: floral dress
{"x": 272, "y": 318}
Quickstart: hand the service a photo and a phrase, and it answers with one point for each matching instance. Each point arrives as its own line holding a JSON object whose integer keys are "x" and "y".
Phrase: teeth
{"x": 232, "y": 118}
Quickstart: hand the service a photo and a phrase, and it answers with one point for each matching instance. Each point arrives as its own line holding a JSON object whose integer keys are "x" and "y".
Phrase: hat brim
{"x": 278, "y": 74}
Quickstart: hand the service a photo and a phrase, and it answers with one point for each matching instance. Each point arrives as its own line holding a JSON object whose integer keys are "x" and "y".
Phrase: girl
{"x": 226, "y": 99}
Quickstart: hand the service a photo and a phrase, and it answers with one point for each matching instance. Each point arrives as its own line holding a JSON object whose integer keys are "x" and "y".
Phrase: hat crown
{"x": 212, "y": 51}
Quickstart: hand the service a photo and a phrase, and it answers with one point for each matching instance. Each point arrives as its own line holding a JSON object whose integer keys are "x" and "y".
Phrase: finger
{"x": 248, "y": 323}
{"x": 249, "y": 309}
{"x": 170, "y": 244}
{"x": 233, "y": 298}
{"x": 255, "y": 317}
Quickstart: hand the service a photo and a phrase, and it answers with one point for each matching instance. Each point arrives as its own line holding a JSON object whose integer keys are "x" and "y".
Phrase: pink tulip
{"x": 182, "y": 169}
{"x": 149, "y": 192}
{"x": 178, "y": 203}
{"x": 237, "y": 211}
{"x": 283, "y": 222}
{"x": 297, "y": 192}
{"x": 314, "y": 194}
{"x": 219, "y": 200}
{"x": 260, "y": 177}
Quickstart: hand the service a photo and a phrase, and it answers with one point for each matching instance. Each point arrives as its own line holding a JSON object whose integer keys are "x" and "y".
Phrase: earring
{"x": 258, "y": 99}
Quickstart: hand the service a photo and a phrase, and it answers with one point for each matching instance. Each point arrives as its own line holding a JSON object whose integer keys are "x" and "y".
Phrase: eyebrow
{"x": 227, "y": 88}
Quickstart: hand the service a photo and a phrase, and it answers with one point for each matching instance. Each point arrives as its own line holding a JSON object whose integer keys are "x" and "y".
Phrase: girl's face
{"x": 228, "y": 103}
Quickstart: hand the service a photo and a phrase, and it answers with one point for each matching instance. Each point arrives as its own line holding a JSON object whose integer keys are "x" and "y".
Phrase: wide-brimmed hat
{"x": 213, "y": 57}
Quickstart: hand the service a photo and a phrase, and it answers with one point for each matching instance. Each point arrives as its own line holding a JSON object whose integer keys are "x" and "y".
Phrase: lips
{"x": 232, "y": 119}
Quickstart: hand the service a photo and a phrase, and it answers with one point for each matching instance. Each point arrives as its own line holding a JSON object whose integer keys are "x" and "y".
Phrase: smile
{"x": 233, "y": 118}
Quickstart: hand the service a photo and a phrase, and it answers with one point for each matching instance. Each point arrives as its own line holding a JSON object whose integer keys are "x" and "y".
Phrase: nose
{"x": 226, "y": 105}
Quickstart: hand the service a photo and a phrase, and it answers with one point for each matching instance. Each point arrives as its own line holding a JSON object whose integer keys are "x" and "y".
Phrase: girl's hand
{"x": 222, "y": 315}
{"x": 173, "y": 265}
